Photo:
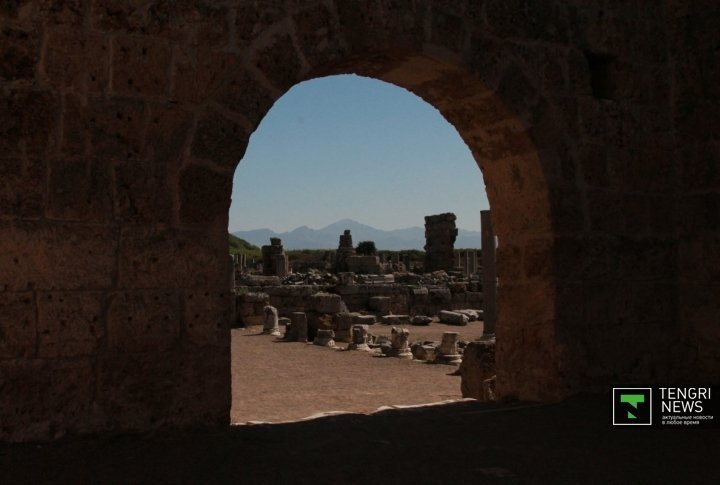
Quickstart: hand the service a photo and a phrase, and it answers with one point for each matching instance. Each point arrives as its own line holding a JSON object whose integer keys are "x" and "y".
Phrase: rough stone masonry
{"x": 121, "y": 124}
{"x": 440, "y": 235}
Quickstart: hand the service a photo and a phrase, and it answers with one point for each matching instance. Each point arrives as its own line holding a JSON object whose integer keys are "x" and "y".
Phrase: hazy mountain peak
{"x": 304, "y": 237}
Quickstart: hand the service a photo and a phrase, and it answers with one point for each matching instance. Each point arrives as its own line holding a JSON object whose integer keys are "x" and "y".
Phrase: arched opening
{"x": 350, "y": 153}
{"x": 122, "y": 128}
{"x": 517, "y": 190}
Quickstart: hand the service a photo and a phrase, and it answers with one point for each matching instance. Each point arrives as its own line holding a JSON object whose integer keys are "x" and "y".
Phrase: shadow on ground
{"x": 465, "y": 442}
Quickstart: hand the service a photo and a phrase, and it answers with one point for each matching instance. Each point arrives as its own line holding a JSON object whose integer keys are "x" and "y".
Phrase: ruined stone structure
{"x": 299, "y": 326}
{"x": 399, "y": 346}
{"x": 478, "y": 370}
{"x": 359, "y": 338}
{"x": 467, "y": 261}
{"x": 250, "y": 308}
{"x": 440, "y": 234}
{"x": 344, "y": 251}
{"x": 325, "y": 338}
{"x": 275, "y": 261}
{"x": 448, "y": 350}
{"x": 122, "y": 124}
{"x": 240, "y": 262}
{"x": 270, "y": 323}
{"x": 364, "y": 264}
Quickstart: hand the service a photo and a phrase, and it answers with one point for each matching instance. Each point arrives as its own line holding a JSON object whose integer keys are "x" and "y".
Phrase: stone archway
{"x": 122, "y": 125}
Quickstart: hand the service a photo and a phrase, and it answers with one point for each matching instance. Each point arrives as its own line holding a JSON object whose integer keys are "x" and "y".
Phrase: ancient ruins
{"x": 122, "y": 124}
{"x": 274, "y": 259}
{"x": 342, "y": 307}
{"x": 440, "y": 233}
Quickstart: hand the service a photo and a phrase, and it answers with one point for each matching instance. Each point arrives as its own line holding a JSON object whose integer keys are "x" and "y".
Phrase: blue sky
{"x": 353, "y": 147}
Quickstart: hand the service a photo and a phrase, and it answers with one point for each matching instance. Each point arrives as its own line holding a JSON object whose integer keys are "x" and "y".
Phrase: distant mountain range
{"x": 328, "y": 237}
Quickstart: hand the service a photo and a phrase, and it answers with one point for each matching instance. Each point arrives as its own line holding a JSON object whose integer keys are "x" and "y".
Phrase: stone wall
{"x": 404, "y": 299}
{"x": 364, "y": 265}
{"x": 122, "y": 124}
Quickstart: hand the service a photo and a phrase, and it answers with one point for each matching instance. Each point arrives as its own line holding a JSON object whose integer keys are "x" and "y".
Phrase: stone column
{"x": 399, "y": 340}
{"x": 359, "y": 338}
{"x": 448, "y": 350}
{"x": 232, "y": 272}
{"x": 473, "y": 263}
{"x": 489, "y": 273}
{"x": 270, "y": 323}
{"x": 325, "y": 338}
{"x": 299, "y": 321}
{"x": 282, "y": 266}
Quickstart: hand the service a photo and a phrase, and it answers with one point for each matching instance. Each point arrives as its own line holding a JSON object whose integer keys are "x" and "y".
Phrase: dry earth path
{"x": 275, "y": 381}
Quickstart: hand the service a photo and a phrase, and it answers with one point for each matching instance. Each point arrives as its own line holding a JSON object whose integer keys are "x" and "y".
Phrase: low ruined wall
{"x": 404, "y": 299}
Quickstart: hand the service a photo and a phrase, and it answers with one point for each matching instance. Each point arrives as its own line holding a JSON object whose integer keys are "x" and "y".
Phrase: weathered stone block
{"x": 280, "y": 63}
{"x": 28, "y": 122}
{"x": 478, "y": 365}
{"x": 362, "y": 24}
{"x": 140, "y": 65}
{"x": 440, "y": 296}
{"x": 325, "y": 338}
{"x": 204, "y": 194}
{"x": 344, "y": 321}
{"x": 421, "y": 320}
{"x": 18, "y": 326}
{"x": 473, "y": 315}
{"x": 80, "y": 190}
{"x": 347, "y": 289}
{"x": 200, "y": 73}
{"x": 255, "y": 297}
{"x": 139, "y": 322}
{"x": 19, "y": 55}
{"x": 169, "y": 258}
{"x": 243, "y": 94}
{"x": 395, "y": 319}
{"x": 251, "y": 21}
{"x": 44, "y": 257}
{"x": 538, "y": 303}
{"x": 317, "y": 35}
{"x": 249, "y": 308}
{"x": 453, "y": 318}
{"x": 70, "y": 323}
{"x": 148, "y": 389}
{"x": 116, "y": 127}
{"x": 142, "y": 193}
{"x": 167, "y": 134}
{"x": 208, "y": 317}
{"x": 317, "y": 320}
{"x": 447, "y": 29}
{"x": 219, "y": 139}
{"x": 380, "y": 304}
{"x": 49, "y": 398}
{"x": 300, "y": 325}
{"x": 77, "y": 60}
{"x": 30, "y": 175}
{"x": 366, "y": 319}
{"x": 327, "y": 303}
{"x": 459, "y": 287}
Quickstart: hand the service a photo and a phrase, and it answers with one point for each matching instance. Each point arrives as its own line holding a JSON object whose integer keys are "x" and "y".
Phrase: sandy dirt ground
{"x": 274, "y": 381}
